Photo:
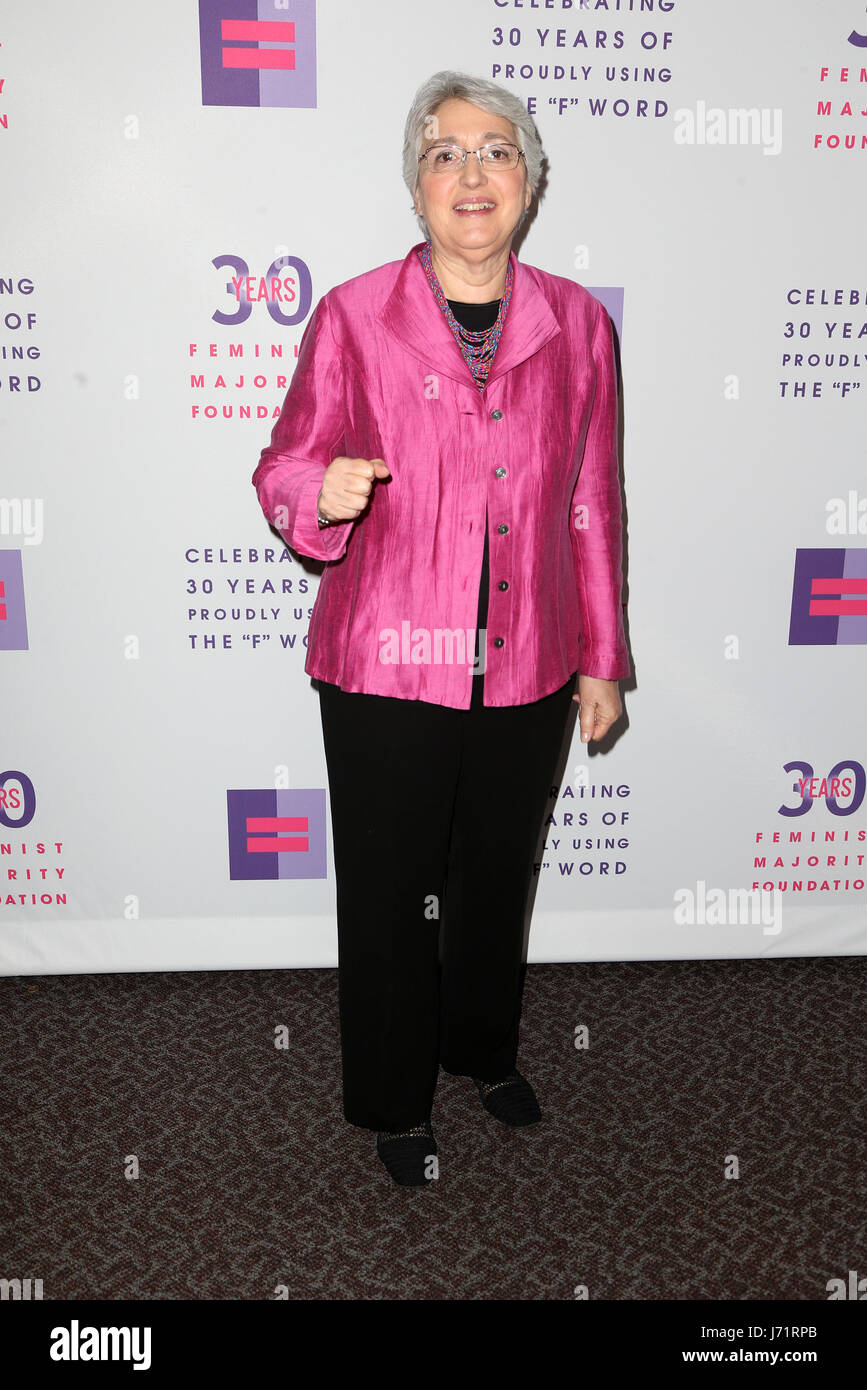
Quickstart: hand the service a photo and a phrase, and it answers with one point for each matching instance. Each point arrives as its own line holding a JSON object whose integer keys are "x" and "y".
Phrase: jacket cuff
{"x": 610, "y": 665}
{"x": 307, "y": 536}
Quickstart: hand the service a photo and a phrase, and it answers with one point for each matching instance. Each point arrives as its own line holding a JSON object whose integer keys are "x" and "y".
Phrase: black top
{"x": 476, "y": 317}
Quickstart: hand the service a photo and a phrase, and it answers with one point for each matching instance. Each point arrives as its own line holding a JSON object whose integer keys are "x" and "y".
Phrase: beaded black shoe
{"x": 406, "y": 1152}
{"x": 511, "y": 1100}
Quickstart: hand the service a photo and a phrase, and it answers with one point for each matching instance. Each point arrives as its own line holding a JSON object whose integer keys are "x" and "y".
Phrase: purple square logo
{"x": 829, "y": 598}
{"x": 13, "y": 616}
{"x": 256, "y": 53}
{"x": 277, "y": 834}
{"x": 611, "y": 299}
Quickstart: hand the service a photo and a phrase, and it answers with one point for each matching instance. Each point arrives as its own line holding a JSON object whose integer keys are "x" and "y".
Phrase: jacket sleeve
{"x": 306, "y": 437}
{"x": 595, "y": 524}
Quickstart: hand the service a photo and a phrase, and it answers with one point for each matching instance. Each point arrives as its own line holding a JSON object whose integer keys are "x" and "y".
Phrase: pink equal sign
{"x": 257, "y": 31}
{"x": 843, "y": 603}
{"x": 273, "y": 832}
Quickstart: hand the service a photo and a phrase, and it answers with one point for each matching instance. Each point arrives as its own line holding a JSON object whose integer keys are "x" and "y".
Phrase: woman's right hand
{"x": 346, "y": 487}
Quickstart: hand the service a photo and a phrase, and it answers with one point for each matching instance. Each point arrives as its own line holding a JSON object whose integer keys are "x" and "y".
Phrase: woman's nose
{"x": 472, "y": 171}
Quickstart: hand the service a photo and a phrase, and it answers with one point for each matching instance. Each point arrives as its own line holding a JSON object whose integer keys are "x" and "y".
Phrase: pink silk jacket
{"x": 380, "y": 375}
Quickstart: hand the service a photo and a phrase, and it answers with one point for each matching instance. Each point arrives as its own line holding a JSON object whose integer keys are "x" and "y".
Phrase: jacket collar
{"x": 413, "y": 316}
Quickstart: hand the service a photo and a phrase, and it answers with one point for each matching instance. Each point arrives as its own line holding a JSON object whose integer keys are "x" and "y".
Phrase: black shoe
{"x": 511, "y": 1100}
{"x": 405, "y": 1153}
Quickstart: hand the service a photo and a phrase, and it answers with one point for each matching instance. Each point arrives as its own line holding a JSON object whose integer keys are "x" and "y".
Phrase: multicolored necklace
{"x": 477, "y": 347}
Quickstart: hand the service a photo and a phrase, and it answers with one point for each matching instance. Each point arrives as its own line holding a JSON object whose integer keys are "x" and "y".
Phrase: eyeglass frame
{"x": 449, "y": 145}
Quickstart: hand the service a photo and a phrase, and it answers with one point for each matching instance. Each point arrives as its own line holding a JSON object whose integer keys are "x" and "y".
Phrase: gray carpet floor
{"x": 250, "y": 1182}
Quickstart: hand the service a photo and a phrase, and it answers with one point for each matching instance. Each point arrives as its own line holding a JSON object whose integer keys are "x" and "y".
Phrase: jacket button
{"x": 499, "y": 641}
{"x": 496, "y": 414}
{"x": 502, "y": 528}
{"x": 499, "y": 472}
{"x": 503, "y": 584}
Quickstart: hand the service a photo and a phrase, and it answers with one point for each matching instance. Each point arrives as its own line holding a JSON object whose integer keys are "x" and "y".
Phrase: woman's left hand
{"x": 599, "y": 703}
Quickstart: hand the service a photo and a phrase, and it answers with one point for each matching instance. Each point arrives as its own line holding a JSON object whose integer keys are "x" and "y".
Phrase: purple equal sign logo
{"x": 829, "y": 598}
{"x": 13, "y": 615}
{"x": 256, "y": 53}
{"x": 277, "y": 834}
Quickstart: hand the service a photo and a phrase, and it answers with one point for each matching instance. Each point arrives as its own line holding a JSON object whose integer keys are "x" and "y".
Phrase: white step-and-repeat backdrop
{"x": 181, "y": 184}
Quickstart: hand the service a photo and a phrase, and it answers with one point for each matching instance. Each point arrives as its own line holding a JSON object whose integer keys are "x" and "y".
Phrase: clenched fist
{"x": 347, "y": 485}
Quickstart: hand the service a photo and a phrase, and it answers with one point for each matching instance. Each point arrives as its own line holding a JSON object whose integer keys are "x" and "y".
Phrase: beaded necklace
{"x": 477, "y": 347}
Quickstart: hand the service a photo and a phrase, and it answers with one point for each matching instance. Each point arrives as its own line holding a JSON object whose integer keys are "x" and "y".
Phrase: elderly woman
{"x": 448, "y": 446}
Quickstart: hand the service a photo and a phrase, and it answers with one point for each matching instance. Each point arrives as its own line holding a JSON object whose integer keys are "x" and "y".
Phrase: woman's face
{"x": 440, "y": 197}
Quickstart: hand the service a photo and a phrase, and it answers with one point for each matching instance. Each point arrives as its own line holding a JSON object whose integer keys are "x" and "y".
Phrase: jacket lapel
{"x": 412, "y": 315}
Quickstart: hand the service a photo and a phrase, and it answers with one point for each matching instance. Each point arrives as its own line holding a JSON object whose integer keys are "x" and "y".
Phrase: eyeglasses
{"x": 445, "y": 159}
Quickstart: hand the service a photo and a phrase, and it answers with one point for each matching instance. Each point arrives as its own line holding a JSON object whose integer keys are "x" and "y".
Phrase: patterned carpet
{"x": 250, "y": 1179}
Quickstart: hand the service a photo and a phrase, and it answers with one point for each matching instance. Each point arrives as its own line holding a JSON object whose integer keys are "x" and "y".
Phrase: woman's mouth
{"x": 473, "y": 207}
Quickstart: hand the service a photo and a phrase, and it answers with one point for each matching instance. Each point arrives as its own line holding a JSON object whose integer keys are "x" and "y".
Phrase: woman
{"x": 448, "y": 444}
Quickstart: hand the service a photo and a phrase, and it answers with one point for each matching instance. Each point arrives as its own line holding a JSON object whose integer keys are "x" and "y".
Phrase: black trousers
{"x": 436, "y": 814}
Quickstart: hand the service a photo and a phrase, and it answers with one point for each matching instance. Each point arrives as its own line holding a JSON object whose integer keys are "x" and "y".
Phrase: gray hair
{"x": 489, "y": 96}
